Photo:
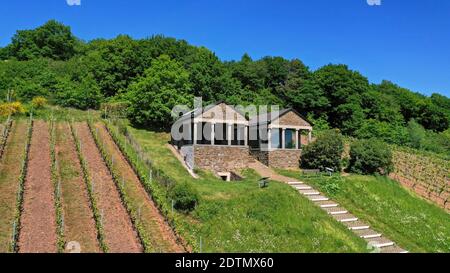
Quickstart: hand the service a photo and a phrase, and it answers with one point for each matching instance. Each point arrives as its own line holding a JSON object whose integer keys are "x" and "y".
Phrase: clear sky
{"x": 405, "y": 41}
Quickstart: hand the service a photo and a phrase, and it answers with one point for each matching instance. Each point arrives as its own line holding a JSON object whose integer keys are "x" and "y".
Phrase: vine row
{"x": 93, "y": 202}
{"x": 20, "y": 190}
{"x": 145, "y": 241}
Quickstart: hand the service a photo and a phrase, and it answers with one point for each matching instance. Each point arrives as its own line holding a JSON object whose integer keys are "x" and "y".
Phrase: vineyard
{"x": 427, "y": 174}
{"x": 67, "y": 187}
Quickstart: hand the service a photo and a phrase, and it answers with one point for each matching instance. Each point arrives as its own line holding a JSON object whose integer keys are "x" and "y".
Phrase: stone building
{"x": 222, "y": 139}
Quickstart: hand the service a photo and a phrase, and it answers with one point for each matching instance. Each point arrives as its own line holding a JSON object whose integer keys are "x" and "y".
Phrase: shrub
{"x": 326, "y": 151}
{"x": 370, "y": 156}
{"x": 39, "y": 102}
{"x": 114, "y": 109}
{"x": 185, "y": 197}
{"x": 11, "y": 108}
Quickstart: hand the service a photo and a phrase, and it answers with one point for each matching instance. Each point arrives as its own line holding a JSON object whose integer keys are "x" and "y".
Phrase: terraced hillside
{"x": 59, "y": 193}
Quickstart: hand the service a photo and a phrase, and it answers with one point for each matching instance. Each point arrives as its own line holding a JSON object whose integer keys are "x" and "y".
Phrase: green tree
{"x": 388, "y": 132}
{"x": 416, "y": 133}
{"x": 343, "y": 89}
{"x": 51, "y": 40}
{"x": 300, "y": 91}
{"x": 381, "y": 107}
{"x": 209, "y": 77}
{"x": 164, "y": 85}
{"x": 82, "y": 95}
{"x": 114, "y": 63}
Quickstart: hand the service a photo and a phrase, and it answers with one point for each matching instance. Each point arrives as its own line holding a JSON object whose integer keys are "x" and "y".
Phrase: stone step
{"x": 367, "y": 233}
{"x": 380, "y": 242}
{"x": 347, "y": 217}
{"x": 295, "y": 183}
{"x": 392, "y": 249}
{"x": 335, "y": 210}
{"x": 300, "y": 187}
{"x": 309, "y": 192}
{"x": 317, "y": 198}
{"x": 356, "y": 225}
{"x": 327, "y": 204}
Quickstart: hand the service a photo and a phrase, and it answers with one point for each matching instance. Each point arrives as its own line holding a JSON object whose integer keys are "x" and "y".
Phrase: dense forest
{"x": 152, "y": 75}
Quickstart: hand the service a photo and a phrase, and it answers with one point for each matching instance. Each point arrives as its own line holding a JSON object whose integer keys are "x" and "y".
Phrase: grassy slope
{"x": 413, "y": 223}
{"x": 240, "y": 217}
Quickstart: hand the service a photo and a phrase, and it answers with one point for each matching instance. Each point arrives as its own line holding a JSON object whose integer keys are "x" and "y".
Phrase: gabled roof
{"x": 195, "y": 112}
{"x": 267, "y": 118}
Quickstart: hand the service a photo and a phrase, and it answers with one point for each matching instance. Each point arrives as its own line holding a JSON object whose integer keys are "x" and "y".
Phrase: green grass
{"x": 405, "y": 218}
{"x": 241, "y": 217}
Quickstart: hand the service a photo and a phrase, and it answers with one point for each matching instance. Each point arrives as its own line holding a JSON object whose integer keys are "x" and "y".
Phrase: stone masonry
{"x": 221, "y": 158}
{"x": 282, "y": 159}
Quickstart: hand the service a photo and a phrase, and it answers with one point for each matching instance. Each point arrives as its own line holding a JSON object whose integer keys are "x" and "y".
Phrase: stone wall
{"x": 282, "y": 159}
{"x": 285, "y": 159}
{"x": 221, "y": 158}
{"x": 261, "y": 156}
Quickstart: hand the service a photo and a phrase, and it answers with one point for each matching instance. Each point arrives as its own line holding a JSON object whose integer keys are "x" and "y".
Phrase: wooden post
{"x": 269, "y": 138}
{"x": 297, "y": 140}
{"x": 283, "y": 138}
{"x": 309, "y": 136}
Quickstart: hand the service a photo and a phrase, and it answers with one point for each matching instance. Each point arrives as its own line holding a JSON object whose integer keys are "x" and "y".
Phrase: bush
{"x": 185, "y": 197}
{"x": 326, "y": 151}
{"x": 370, "y": 156}
{"x": 114, "y": 109}
{"x": 39, "y": 102}
{"x": 11, "y": 108}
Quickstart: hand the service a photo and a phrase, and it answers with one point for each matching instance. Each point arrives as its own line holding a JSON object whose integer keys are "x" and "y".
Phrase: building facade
{"x": 221, "y": 138}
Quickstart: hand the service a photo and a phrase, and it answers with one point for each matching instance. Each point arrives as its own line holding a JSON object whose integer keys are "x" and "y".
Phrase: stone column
{"x": 283, "y": 138}
{"x": 246, "y": 135}
{"x": 297, "y": 140}
{"x": 309, "y": 136}
{"x": 229, "y": 133}
{"x": 269, "y": 138}
{"x": 213, "y": 129}
{"x": 194, "y": 141}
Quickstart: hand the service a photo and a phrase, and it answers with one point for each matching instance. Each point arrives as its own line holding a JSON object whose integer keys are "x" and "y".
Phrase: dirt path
{"x": 79, "y": 223}
{"x": 119, "y": 233}
{"x": 38, "y": 224}
{"x": 156, "y": 229}
{"x": 10, "y": 168}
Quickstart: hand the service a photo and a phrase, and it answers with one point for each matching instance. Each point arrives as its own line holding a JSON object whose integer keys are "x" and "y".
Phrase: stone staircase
{"x": 376, "y": 240}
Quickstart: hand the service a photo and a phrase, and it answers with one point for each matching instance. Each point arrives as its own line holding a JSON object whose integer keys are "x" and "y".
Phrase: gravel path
{"x": 38, "y": 224}
{"x": 79, "y": 223}
{"x": 119, "y": 233}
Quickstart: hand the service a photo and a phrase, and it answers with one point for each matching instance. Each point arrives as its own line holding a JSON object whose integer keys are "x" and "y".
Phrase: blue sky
{"x": 405, "y": 41}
